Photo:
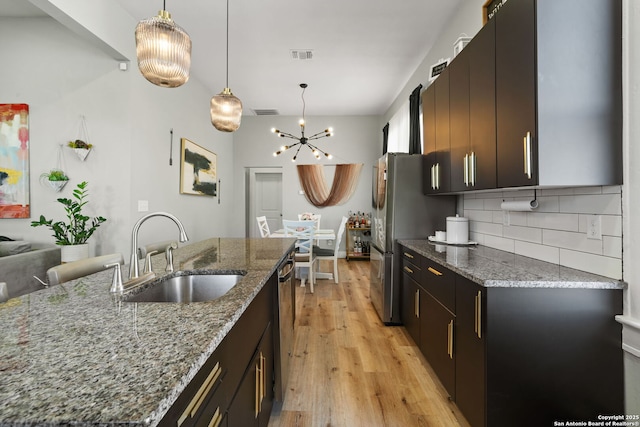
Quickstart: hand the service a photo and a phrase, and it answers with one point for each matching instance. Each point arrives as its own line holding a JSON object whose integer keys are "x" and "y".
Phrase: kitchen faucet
{"x": 134, "y": 266}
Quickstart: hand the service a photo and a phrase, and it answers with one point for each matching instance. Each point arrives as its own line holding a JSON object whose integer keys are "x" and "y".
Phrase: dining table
{"x": 320, "y": 234}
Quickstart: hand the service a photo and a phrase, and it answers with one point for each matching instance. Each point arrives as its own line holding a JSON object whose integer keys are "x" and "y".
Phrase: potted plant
{"x": 72, "y": 235}
{"x": 81, "y": 148}
{"x": 56, "y": 178}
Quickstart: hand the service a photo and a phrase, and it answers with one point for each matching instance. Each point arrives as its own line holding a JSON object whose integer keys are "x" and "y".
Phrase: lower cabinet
{"x": 470, "y": 350}
{"x": 238, "y": 377}
{"x": 525, "y": 356}
{"x": 253, "y": 401}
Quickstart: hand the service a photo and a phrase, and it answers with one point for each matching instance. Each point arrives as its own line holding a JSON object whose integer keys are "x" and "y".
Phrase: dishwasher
{"x": 286, "y": 319}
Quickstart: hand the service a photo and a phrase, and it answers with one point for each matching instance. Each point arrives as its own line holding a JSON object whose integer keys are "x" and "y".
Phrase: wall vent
{"x": 301, "y": 54}
{"x": 266, "y": 112}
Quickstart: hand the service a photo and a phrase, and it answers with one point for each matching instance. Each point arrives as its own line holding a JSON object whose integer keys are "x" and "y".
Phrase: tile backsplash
{"x": 556, "y": 231}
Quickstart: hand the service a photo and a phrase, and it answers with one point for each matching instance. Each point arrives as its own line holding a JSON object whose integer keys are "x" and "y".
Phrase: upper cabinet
{"x": 535, "y": 99}
{"x": 435, "y": 112}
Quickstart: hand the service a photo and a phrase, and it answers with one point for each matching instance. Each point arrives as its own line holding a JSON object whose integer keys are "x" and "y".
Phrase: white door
{"x": 265, "y": 198}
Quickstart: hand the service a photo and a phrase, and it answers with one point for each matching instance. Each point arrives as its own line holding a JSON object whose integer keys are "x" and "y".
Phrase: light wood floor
{"x": 351, "y": 370}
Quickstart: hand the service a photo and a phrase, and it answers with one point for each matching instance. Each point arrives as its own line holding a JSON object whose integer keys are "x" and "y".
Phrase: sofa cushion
{"x": 14, "y": 247}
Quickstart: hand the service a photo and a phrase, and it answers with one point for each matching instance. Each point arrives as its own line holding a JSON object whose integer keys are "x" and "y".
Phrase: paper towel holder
{"x": 520, "y": 205}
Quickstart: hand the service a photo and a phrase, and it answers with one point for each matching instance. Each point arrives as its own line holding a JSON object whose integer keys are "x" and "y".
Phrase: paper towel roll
{"x": 526, "y": 205}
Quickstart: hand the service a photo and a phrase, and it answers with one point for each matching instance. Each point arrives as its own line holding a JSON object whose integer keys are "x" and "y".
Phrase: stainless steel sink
{"x": 186, "y": 288}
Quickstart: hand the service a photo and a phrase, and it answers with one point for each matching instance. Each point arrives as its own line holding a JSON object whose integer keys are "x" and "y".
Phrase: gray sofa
{"x": 17, "y": 270}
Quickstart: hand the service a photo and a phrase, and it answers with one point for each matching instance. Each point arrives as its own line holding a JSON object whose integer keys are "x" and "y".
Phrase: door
{"x": 516, "y": 94}
{"x": 265, "y": 199}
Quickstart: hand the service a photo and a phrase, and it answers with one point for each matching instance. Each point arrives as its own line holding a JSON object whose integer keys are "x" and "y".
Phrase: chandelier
{"x": 226, "y": 109}
{"x": 163, "y": 50}
{"x": 303, "y": 140}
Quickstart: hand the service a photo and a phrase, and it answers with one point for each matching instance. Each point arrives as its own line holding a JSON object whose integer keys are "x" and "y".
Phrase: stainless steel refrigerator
{"x": 401, "y": 211}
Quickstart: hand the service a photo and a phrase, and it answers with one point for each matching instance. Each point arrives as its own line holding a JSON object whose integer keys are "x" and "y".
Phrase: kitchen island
{"x": 76, "y": 354}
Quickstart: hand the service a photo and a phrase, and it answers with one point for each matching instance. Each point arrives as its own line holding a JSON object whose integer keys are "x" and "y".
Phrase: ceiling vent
{"x": 301, "y": 54}
{"x": 266, "y": 112}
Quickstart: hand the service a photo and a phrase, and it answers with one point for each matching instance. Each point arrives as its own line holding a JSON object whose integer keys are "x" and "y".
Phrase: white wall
{"x": 357, "y": 139}
{"x": 61, "y": 76}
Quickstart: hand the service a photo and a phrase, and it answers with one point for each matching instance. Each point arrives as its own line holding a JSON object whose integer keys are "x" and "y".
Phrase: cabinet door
{"x": 516, "y": 94}
{"x": 411, "y": 306}
{"x": 252, "y": 403}
{"x": 443, "y": 147}
{"x": 482, "y": 108}
{"x": 470, "y": 351}
{"x": 437, "y": 337}
{"x": 459, "y": 120}
{"x": 429, "y": 139}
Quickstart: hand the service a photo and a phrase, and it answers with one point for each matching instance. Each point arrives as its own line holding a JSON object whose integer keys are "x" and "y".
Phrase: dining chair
{"x": 75, "y": 269}
{"x": 303, "y": 231}
{"x": 263, "y": 225}
{"x": 316, "y": 219}
{"x": 332, "y": 254}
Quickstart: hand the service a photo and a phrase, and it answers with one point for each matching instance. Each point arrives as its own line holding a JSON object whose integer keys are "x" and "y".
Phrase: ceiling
{"x": 364, "y": 51}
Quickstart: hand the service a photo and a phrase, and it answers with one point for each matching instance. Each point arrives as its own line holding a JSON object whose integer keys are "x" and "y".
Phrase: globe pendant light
{"x": 163, "y": 50}
{"x": 303, "y": 141}
{"x": 226, "y": 109}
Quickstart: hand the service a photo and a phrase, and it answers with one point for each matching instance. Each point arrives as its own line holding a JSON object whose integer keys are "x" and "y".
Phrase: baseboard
{"x": 630, "y": 334}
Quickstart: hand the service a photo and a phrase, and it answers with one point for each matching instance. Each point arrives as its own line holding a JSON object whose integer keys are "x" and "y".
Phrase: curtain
{"x": 385, "y": 138}
{"x": 399, "y": 130}
{"x": 315, "y": 188}
{"x": 415, "y": 146}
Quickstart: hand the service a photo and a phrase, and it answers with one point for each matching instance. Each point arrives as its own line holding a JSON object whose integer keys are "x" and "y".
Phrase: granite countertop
{"x": 495, "y": 268}
{"x": 75, "y": 354}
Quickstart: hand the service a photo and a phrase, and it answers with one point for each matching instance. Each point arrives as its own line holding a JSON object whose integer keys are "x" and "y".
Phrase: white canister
{"x": 457, "y": 229}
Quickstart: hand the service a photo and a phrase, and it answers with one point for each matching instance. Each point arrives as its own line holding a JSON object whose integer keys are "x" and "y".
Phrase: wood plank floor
{"x": 351, "y": 370}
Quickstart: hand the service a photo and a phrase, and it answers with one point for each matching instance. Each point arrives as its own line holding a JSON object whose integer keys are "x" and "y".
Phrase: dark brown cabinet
{"x": 232, "y": 370}
{"x": 470, "y": 350}
{"x": 501, "y": 352}
{"x": 535, "y": 99}
{"x": 558, "y": 93}
{"x": 436, "y": 132}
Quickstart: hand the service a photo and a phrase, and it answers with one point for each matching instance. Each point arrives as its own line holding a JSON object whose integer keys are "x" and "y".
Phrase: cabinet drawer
{"x": 411, "y": 263}
{"x": 440, "y": 283}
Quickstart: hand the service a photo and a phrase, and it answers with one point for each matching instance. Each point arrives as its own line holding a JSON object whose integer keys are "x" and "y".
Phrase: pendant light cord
{"x": 304, "y": 105}
{"x": 227, "y": 43}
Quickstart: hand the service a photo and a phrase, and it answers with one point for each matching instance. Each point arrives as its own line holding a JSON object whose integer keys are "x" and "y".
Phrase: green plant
{"x": 78, "y": 229}
{"x": 78, "y": 143}
{"x": 55, "y": 175}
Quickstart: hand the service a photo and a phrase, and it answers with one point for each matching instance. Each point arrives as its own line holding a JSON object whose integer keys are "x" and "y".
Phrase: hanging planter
{"x": 81, "y": 148}
{"x": 81, "y": 145}
{"x": 55, "y": 178}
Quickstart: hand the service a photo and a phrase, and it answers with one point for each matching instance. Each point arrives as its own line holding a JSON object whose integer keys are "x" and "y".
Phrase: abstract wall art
{"x": 197, "y": 170}
{"x": 14, "y": 161}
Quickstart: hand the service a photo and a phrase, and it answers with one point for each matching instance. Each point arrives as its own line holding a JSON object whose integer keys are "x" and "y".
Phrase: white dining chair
{"x": 303, "y": 231}
{"x": 332, "y": 254}
{"x": 263, "y": 225}
{"x": 316, "y": 218}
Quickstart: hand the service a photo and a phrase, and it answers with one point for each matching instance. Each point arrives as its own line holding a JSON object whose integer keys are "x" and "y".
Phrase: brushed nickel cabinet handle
{"x": 433, "y": 177}
{"x": 465, "y": 167}
{"x": 434, "y": 271}
{"x": 472, "y": 166}
{"x": 479, "y": 314}
{"x": 204, "y": 389}
{"x": 437, "y": 175}
{"x": 216, "y": 419}
{"x": 450, "y": 339}
{"x": 527, "y": 155}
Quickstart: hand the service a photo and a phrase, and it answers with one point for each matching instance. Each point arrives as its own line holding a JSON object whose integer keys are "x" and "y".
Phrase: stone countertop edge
{"x": 74, "y": 354}
{"x": 490, "y": 267}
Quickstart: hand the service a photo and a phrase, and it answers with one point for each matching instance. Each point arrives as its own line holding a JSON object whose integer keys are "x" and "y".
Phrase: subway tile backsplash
{"x": 556, "y": 232}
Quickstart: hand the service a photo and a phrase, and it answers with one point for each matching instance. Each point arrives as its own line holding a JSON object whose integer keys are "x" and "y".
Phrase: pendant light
{"x": 226, "y": 109}
{"x": 303, "y": 141}
{"x": 163, "y": 50}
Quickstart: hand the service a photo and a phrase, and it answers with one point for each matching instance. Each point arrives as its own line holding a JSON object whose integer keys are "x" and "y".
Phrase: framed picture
{"x": 198, "y": 174}
{"x": 14, "y": 161}
{"x": 437, "y": 68}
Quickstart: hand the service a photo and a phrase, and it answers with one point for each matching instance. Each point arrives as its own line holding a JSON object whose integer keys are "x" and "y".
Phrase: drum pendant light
{"x": 163, "y": 50}
{"x": 226, "y": 109}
